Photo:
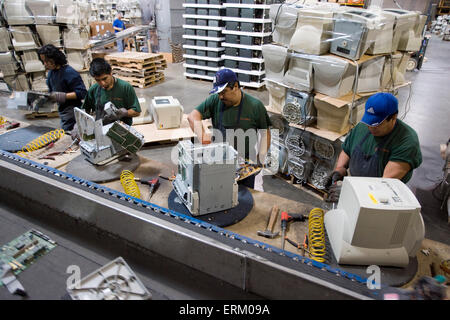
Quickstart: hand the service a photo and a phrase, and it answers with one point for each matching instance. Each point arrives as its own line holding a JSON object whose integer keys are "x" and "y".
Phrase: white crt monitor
{"x": 377, "y": 222}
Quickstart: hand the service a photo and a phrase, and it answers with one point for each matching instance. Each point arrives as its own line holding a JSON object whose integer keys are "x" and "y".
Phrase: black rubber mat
{"x": 15, "y": 140}
{"x": 82, "y": 168}
{"x": 221, "y": 218}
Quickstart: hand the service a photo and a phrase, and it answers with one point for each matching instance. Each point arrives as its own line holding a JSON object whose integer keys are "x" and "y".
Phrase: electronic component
{"x": 299, "y": 108}
{"x": 101, "y": 144}
{"x": 23, "y": 251}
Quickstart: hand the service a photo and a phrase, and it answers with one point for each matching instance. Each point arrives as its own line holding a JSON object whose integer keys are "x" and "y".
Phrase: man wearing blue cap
{"x": 380, "y": 145}
{"x": 230, "y": 108}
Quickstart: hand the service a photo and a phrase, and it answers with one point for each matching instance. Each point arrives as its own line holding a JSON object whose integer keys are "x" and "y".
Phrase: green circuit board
{"x": 23, "y": 251}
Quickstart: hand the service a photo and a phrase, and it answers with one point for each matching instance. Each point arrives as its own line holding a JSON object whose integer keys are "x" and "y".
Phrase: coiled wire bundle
{"x": 297, "y": 169}
{"x": 319, "y": 176}
{"x": 296, "y": 146}
{"x": 2, "y": 120}
{"x": 278, "y": 123}
{"x": 292, "y": 112}
{"x": 42, "y": 141}
{"x": 316, "y": 235}
{"x": 324, "y": 149}
{"x": 298, "y": 108}
{"x": 129, "y": 184}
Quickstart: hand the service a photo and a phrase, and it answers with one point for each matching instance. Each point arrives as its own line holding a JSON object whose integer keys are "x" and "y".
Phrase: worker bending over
{"x": 233, "y": 113}
{"x": 381, "y": 145}
{"x": 110, "y": 89}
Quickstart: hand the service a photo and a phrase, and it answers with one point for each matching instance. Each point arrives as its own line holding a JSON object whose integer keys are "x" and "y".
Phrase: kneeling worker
{"x": 110, "y": 89}
{"x": 381, "y": 145}
{"x": 230, "y": 108}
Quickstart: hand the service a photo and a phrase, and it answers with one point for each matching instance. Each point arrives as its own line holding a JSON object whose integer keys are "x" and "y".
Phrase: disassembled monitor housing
{"x": 101, "y": 144}
{"x": 205, "y": 182}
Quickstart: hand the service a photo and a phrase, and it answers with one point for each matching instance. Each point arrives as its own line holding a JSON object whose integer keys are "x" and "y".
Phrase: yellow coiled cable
{"x": 129, "y": 184}
{"x": 42, "y": 141}
{"x": 2, "y": 120}
{"x": 316, "y": 235}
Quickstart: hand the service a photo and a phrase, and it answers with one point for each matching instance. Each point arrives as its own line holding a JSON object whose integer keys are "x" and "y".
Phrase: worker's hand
{"x": 122, "y": 113}
{"x": 59, "y": 97}
{"x": 74, "y": 134}
{"x": 334, "y": 177}
{"x": 334, "y": 192}
{"x": 206, "y": 139}
{"x": 119, "y": 114}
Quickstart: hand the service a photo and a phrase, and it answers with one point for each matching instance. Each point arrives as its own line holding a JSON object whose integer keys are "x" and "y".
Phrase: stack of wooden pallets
{"x": 140, "y": 69}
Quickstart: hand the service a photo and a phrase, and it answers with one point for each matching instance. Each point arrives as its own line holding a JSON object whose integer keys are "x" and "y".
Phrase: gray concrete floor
{"x": 428, "y": 113}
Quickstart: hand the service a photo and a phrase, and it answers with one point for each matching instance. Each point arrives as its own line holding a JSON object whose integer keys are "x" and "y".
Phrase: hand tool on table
{"x": 285, "y": 219}
{"x": 169, "y": 178}
{"x": 302, "y": 246}
{"x": 12, "y": 125}
{"x": 268, "y": 233}
{"x": 49, "y": 157}
{"x": 70, "y": 146}
{"x": 153, "y": 183}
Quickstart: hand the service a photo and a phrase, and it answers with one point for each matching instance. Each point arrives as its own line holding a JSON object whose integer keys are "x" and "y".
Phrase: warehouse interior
{"x": 95, "y": 215}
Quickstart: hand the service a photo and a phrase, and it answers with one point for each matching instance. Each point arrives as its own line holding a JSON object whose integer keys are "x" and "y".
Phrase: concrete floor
{"x": 427, "y": 113}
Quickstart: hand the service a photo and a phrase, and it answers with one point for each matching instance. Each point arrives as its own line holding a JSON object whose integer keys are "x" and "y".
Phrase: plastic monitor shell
{"x": 275, "y": 61}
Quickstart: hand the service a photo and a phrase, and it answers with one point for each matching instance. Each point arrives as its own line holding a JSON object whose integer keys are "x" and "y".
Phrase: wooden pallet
{"x": 143, "y": 82}
{"x": 133, "y": 57}
{"x": 126, "y": 72}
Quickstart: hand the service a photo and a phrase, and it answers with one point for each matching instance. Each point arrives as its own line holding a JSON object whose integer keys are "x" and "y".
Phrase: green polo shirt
{"x": 122, "y": 95}
{"x": 402, "y": 146}
{"x": 253, "y": 116}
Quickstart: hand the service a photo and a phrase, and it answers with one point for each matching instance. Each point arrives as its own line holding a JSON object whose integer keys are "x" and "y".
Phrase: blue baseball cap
{"x": 378, "y": 107}
{"x": 222, "y": 79}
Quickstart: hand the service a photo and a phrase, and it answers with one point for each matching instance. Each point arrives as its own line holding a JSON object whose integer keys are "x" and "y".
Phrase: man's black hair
{"x": 231, "y": 84}
{"x": 52, "y": 52}
{"x": 99, "y": 67}
{"x": 391, "y": 116}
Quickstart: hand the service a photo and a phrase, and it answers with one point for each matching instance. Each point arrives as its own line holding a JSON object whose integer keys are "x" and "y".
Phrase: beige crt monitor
{"x": 167, "y": 112}
{"x": 377, "y": 222}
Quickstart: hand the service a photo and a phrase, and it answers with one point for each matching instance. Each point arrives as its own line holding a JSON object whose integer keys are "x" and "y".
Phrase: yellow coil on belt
{"x": 129, "y": 184}
{"x": 2, "y": 120}
{"x": 316, "y": 235}
{"x": 42, "y": 141}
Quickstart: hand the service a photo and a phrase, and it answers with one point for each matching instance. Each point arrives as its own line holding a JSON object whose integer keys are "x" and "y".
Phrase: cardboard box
{"x": 100, "y": 28}
{"x": 334, "y": 114}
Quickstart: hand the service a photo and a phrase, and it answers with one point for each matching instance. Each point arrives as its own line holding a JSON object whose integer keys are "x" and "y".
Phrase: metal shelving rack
{"x": 203, "y": 38}
{"x": 247, "y": 28}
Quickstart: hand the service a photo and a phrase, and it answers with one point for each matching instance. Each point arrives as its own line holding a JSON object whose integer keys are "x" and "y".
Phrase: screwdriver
{"x": 153, "y": 183}
{"x": 288, "y": 217}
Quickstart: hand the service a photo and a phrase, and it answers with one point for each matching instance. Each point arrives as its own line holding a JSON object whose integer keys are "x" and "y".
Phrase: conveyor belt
{"x": 247, "y": 263}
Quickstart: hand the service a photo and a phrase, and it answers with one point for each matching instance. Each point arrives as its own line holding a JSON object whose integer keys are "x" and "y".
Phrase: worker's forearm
{"x": 133, "y": 113}
{"x": 342, "y": 163}
{"x": 264, "y": 144}
{"x": 195, "y": 122}
{"x": 71, "y": 96}
{"x": 396, "y": 169}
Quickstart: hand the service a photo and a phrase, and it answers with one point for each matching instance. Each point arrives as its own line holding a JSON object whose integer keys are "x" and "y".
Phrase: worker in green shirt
{"x": 110, "y": 89}
{"x": 230, "y": 109}
{"x": 381, "y": 145}
{"x": 237, "y": 118}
